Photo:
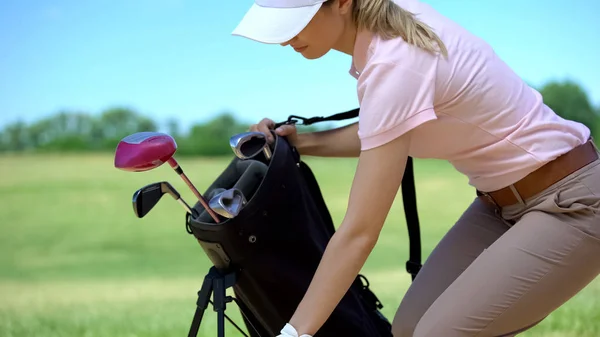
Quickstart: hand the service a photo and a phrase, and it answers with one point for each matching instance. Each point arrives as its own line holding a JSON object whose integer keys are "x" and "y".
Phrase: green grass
{"x": 74, "y": 260}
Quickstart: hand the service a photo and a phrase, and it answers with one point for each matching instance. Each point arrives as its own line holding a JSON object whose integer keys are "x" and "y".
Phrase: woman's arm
{"x": 395, "y": 98}
{"x": 338, "y": 142}
{"x": 378, "y": 177}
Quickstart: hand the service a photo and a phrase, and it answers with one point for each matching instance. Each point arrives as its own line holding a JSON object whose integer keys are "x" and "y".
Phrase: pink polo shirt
{"x": 470, "y": 109}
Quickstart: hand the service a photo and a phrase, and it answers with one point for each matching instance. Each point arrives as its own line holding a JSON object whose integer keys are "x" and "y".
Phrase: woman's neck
{"x": 346, "y": 42}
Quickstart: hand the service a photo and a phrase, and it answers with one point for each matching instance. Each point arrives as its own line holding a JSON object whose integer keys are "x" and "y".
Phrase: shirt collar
{"x": 362, "y": 46}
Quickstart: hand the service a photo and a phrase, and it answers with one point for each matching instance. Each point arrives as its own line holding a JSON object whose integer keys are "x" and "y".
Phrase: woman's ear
{"x": 340, "y": 6}
{"x": 344, "y": 6}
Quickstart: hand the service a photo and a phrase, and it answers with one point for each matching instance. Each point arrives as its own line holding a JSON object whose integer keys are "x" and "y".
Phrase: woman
{"x": 429, "y": 89}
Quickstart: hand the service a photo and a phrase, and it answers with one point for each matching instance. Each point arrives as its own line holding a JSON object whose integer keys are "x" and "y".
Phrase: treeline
{"x": 75, "y": 131}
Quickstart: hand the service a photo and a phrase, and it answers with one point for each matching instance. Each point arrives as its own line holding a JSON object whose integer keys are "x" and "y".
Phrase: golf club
{"x": 228, "y": 203}
{"x": 143, "y": 151}
{"x": 148, "y": 196}
{"x": 246, "y": 145}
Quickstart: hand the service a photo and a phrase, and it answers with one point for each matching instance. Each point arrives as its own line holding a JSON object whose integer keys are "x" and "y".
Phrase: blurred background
{"x": 77, "y": 76}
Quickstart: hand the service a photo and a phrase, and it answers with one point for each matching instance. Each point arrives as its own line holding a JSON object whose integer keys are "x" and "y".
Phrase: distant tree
{"x": 211, "y": 138}
{"x": 118, "y": 122}
{"x": 596, "y": 130}
{"x": 65, "y": 131}
{"x": 570, "y": 101}
{"x": 3, "y": 145}
{"x": 16, "y": 137}
{"x": 173, "y": 128}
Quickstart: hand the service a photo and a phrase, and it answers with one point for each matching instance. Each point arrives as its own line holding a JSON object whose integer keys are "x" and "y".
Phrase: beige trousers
{"x": 498, "y": 273}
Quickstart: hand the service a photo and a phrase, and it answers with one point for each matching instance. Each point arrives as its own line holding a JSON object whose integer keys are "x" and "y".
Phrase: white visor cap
{"x": 277, "y": 21}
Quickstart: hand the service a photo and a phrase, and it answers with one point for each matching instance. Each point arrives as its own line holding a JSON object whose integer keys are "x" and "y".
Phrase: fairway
{"x": 75, "y": 261}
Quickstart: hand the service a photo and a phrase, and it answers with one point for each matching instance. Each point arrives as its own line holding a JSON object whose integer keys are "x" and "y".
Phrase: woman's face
{"x": 324, "y": 32}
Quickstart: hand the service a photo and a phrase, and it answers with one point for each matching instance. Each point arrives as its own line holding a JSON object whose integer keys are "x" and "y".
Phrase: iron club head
{"x": 148, "y": 196}
{"x": 246, "y": 145}
{"x": 228, "y": 203}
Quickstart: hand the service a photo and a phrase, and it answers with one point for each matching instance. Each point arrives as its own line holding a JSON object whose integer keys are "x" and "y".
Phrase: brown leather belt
{"x": 543, "y": 177}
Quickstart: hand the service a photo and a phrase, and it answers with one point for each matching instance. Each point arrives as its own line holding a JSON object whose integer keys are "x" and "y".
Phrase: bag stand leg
{"x": 215, "y": 284}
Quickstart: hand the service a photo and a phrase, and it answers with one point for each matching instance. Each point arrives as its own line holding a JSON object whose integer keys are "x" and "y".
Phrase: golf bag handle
{"x": 409, "y": 197}
{"x": 293, "y": 119}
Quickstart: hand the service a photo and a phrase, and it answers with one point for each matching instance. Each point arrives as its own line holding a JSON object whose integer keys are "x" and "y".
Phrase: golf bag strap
{"x": 293, "y": 119}
{"x": 409, "y": 197}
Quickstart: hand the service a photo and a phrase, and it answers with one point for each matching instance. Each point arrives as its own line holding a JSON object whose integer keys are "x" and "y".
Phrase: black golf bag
{"x": 269, "y": 252}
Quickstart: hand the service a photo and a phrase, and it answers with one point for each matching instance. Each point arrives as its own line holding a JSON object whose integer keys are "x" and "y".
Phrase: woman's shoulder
{"x": 457, "y": 41}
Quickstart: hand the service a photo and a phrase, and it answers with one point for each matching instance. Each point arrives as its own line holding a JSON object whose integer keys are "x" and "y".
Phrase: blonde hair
{"x": 389, "y": 20}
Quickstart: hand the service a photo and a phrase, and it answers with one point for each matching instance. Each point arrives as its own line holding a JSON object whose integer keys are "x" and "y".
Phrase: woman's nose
{"x": 288, "y": 42}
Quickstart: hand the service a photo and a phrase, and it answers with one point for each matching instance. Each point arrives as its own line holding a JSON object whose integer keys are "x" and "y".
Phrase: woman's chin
{"x": 312, "y": 54}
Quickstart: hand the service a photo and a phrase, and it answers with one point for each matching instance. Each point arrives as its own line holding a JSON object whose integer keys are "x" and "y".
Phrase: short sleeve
{"x": 393, "y": 100}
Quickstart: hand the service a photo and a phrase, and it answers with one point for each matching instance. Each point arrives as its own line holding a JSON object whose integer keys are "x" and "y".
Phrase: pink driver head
{"x": 144, "y": 151}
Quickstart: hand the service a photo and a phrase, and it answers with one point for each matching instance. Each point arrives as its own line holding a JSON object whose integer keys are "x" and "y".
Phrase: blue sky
{"x": 177, "y": 59}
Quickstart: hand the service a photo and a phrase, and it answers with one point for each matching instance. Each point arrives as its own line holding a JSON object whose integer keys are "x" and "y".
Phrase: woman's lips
{"x": 300, "y": 49}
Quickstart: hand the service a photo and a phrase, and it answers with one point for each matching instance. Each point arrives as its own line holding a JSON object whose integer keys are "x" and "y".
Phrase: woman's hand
{"x": 338, "y": 142}
{"x": 266, "y": 125}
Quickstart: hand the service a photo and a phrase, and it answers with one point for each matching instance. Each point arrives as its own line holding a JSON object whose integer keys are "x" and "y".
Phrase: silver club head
{"x": 246, "y": 145}
{"x": 148, "y": 196}
{"x": 228, "y": 203}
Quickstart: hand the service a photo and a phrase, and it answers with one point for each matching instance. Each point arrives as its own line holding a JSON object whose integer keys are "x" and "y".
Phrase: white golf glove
{"x": 289, "y": 331}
